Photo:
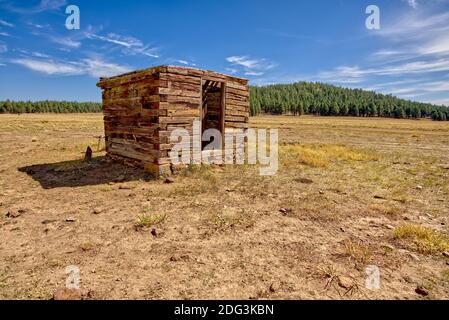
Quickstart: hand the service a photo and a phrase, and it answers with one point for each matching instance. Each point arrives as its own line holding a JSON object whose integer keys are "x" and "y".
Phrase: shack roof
{"x": 188, "y": 71}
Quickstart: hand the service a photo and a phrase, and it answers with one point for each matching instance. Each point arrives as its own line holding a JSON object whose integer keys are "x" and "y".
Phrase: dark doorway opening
{"x": 212, "y": 107}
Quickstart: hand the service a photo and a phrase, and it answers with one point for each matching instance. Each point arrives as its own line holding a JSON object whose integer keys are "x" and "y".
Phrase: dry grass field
{"x": 349, "y": 193}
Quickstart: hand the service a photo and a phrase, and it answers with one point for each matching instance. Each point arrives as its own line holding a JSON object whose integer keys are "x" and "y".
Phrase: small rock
{"x": 70, "y": 219}
{"x": 344, "y": 282}
{"x": 120, "y": 178}
{"x": 414, "y": 256}
{"x": 96, "y": 211}
{"x": 177, "y": 257}
{"x": 446, "y": 254}
{"x": 274, "y": 287}
{"x": 169, "y": 181}
{"x": 418, "y": 187}
{"x": 342, "y": 229}
{"x": 304, "y": 180}
{"x": 34, "y": 139}
{"x": 64, "y": 294}
{"x": 422, "y": 291}
{"x": 389, "y": 226}
{"x": 154, "y": 232}
{"x": 285, "y": 211}
{"x": 87, "y": 246}
{"x": 320, "y": 191}
{"x": 408, "y": 279}
{"x": 389, "y": 247}
{"x": 379, "y": 197}
{"x": 48, "y": 221}
{"x": 125, "y": 188}
{"x": 405, "y": 217}
{"x": 11, "y": 214}
{"x": 16, "y": 214}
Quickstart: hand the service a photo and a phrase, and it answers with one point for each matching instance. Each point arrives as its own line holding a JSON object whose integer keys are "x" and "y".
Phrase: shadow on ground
{"x": 78, "y": 173}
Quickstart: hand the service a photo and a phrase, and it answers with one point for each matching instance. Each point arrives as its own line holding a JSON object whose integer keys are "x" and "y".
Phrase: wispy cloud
{"x": 94, "y": 67}
{"x": 413, "y": 59}
{"x": 245, "y": 61}
{"x": 44, "y": 5}
{"x": 40, "y": 55}
{"x": 251, "y": 66}
{"x": 66, "y": 41}
{"x": 231, "y": 70}
{"x": 37, "y": 25}
{"x": 49, "y": 67}
{"x": 413, "y": 3}
{"x": 6, "y": 24}
{"x": 99, "y": 68}
{"x": 253, "y": 73}
{"x": 3, "y": 48}
{"x": 4, "y": 34}
{"x": 130, "y": 45}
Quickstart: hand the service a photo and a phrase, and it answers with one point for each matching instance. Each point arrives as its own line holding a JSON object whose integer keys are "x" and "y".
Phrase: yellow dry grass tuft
{"x": 321, "y": 155}
{"x": 146, "y": 220}
{"x": 357, "y": 251}
{"x": 427, "y": 240}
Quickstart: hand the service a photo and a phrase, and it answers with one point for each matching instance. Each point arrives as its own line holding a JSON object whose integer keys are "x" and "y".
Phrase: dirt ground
{"x": 350, "y": 193}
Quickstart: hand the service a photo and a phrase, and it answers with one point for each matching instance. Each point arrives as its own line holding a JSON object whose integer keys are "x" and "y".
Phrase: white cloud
{"x": 66, "y": 42}
{"x": 40, "y": 55}
{"x": 93, "y": 67}
{"x": 49, "y": 66}
{"x": 440, "y": 102}
{"x": 51, "y": 4}
{"x": 6, "y": 24}
{"x": 44, "y": 5}
{"x": 249, "y": 66}
{"x": 131, "y": 45}
{"x": 37, "y": 25}
{"x": 245, "y": 61}
{"x": 413, "y": 3}
{"x": 99, "y": 68}
{"x": 253, "y": 73}
{"x": 4, "y": 34}
{"x": 231, "y": 70}
{"x": 355, "y": 74}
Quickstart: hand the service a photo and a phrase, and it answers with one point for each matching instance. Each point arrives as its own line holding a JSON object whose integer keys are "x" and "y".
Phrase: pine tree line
{"x": 47, "y": 106}
{"x": 328, "y": 100}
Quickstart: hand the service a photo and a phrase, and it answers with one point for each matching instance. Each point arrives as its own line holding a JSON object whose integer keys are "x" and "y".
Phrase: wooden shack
{"x": 142, "y": 108}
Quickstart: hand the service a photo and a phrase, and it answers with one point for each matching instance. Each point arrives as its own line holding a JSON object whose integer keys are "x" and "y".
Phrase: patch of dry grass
{"x": 357, "y": 251}
{"x": 224, "y": 220}
{"x": 147, "y": 220}
{"x": 426, "y": 240}
{"x": 321, "y": 155}
{"x": 446, "y": 275}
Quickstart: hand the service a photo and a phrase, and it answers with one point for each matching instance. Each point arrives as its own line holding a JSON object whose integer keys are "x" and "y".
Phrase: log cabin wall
{"x": 141, "y": 109}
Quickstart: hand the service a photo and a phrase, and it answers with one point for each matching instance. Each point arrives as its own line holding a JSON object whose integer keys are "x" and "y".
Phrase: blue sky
{"x": 265, "y": 41}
